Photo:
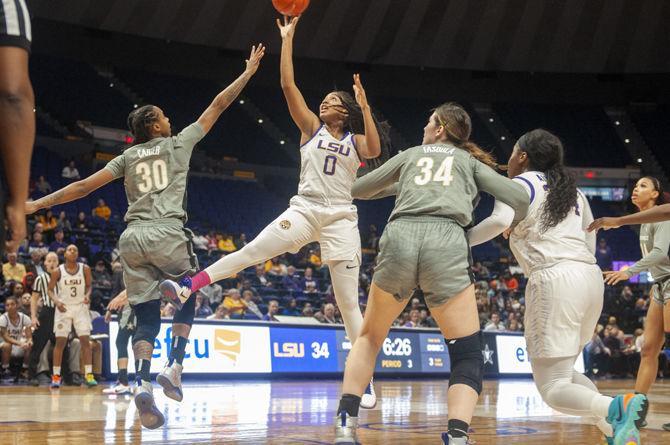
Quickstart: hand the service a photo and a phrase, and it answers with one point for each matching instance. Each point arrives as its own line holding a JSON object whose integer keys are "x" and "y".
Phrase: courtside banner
{"x": 212, "y": 348}
{"x": 513, "y": 355}
{"x": 303, "y": 350}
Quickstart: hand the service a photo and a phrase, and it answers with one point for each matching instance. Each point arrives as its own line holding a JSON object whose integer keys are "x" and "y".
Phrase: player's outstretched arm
{"x": 369, "y": 145}
{"x": 503, "y": 189}
{"x": 655, "y": 214}
{"x": 381, "y": 182}
{"x": 227, "y": 96}
{"x": 72, "y": 192}
{"x": 304, "y": 118}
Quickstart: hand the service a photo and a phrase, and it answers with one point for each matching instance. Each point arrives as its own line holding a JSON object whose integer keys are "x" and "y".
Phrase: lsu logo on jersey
{"x": 334, "y": 147}
{"x": 228, "y": 343}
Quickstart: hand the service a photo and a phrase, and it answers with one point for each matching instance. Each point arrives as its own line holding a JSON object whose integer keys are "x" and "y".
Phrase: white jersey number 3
{"x": 443, "y": 173}
{"x": 153, "y": 177}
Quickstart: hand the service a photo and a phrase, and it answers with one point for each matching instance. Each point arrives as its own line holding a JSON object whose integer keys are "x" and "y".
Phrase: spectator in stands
{"x": 226, "y": 244}
{"x": 596, "y": 355}
{"x": 102, "y": 210}
{"x": 275, "y": 267}
{"x": 495, "y": 324}
{"x": 200, "y": 243}
{"x": 308, "y": 310}
{"x": 311, "y": 288}
{"x": 241, "y": 241}
{"x": 16, "y": 291}
{"x": 372, "y": 240}
{"x": 81, "y": 223}
{"x": 604, "y": 255}
{"x": 168, "y": 311}
{"x": 28, "y": 281}
{"x": 480, "y": 270}
{"x": 415, "y": 304}
{"x": 292, "y": 282}
{"x": 511, "y": 282}
{"x": 12, "y": 269}
{"x": 37, "y": 242}
{"x": 212, "y": 242}
{"x": 34, "y": 265}
{"x": 221, "y": 313}
{"x": 273, "y": 309}
{"x": 314, "y": 258}
{"x": 612, "y": 341}
{"x": 24, "y": 306}
{"x": 260, "y": 279}
{"x": 308, "y": 279}
{"x": 252, "y": 308}
{"x": 202, "y": 308}
{"x": 64, "y": 222}
{"x": 246, "y": 285}
{"x": 214, "y": 293}
{"x": 48, "y": 221}
{"x": 43, "y": 186}
{"x": 59, "y": 244}
{"x": 117, "y": 278}
{"x": 513, "y": 326}
{"x": 427, "y": 320}
{"x": 328, "y": 312}
{"x": 101, "y": 283}
{"x": 291, "y": 309}
{"x": 234, "y": 303}
{"x": 414, "y": 319}
{"x": 70, "y": 172}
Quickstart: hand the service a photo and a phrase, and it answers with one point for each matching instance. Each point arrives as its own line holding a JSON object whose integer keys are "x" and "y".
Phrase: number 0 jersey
{"x": 155, "y": 175}
{"x": 71, "y": 287}
{"x": 328, "y": 168}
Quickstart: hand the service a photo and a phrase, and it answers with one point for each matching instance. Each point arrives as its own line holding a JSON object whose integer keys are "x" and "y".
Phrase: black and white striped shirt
{"x": 15, "y": 28}
{"x": 41, "y": 286}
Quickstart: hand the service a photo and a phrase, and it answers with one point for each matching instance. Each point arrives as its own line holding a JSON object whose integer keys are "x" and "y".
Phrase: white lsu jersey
{"x": 72, "y": 287}
{"x": 328, "y": 168}
{"x": 566, "y": 241}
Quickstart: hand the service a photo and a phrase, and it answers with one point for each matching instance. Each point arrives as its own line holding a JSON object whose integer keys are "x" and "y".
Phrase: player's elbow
{"x": 372, "y": 152}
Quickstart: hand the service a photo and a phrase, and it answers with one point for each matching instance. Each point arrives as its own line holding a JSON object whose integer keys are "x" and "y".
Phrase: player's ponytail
{"x": 545, "y": 154}
{"x": 140, "y": 121}
{"x": 458, "y": 126}
{"x": 355, "y": 124}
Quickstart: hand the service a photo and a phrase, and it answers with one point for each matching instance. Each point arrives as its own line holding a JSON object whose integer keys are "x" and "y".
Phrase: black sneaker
{"x": 76, "y": 379}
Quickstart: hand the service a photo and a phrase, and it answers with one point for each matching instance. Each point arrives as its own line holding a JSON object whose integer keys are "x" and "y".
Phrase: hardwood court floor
{"x": 300, "y": 412}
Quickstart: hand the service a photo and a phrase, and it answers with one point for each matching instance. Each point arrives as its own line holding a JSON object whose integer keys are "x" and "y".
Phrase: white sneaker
{"x": 369, "y": 399}
{"x": 170, "y": 380}
{"x": 150, "y": 416}
{"x": 118, "y": 389}
{"x": 174, "y": 293}
{"x": 345, "y": 429}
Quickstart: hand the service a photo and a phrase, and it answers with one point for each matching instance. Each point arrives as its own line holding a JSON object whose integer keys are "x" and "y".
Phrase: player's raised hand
{"x": 604, "y": 224}
{"x": 612, "y": 277}
{"x": 288, "y": 28}
{"x": 359, "y": 92}
{"x": 254, "y": 60}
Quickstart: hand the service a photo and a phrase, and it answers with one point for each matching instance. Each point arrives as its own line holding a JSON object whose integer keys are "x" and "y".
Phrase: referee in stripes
{"x": 43, "y": 325}
{"x": 17, "y": 125}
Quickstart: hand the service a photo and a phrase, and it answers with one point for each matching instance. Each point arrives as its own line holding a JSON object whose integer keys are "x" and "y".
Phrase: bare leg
{"x": 653, "y": 342}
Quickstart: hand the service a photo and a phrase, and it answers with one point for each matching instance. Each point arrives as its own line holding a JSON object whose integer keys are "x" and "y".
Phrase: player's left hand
{"x": 612, "y": 277}
{"x": 254, "y": 60}
{"x": 87, "y": 300}
{"x": 359, "y": 92}
{"x": 605, "y": 224}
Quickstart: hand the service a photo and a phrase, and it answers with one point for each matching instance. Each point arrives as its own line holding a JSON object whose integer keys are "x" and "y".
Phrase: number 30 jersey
{"x": 155, "y": 175}
{"x": 328, "y": 168}
{"x": 71, "y": 287}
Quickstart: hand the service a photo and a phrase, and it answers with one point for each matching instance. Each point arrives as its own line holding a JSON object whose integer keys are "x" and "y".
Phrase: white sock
{"x": 88, "y": 369}
{"x": 57, "y": 370}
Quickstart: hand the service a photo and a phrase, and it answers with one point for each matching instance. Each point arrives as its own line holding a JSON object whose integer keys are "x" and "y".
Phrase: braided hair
{"x": 140, "y": 121}
{"x": 354, "y": 123}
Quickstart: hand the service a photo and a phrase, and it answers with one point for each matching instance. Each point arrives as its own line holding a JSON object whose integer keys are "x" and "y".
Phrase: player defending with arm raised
{"x": 332, "y": 147}
{"x": 156, "y": 245}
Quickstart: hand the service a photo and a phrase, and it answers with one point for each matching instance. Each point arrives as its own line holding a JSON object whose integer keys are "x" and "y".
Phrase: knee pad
{"x": 148, "y": 317}
{"x": 187, "y": 312}
{"x": 467, "y": 363}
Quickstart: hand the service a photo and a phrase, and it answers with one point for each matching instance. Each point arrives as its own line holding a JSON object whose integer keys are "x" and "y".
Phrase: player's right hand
{"x": 254, "y": 60}
{"x": 288, "y": 28}
{"x": 605, "y": 224}
{"x": 61, "y": 306}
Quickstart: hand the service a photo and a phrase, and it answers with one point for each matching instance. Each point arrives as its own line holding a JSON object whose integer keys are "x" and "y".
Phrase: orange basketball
{"x": 290, "y": 7}
{"x": 284, "y": 7}
{"x": 299, "y": 6}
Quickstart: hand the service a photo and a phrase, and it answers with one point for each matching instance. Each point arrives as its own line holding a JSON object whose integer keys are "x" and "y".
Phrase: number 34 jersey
{"x": 155, "y": 175}
{"x": 328, "y": 168}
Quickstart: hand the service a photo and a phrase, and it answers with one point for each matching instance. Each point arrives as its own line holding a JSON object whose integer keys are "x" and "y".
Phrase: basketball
{"x": 290, "y": 7}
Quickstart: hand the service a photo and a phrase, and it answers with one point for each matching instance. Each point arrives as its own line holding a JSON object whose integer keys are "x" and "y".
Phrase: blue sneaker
{"x": 369, "y": 398}
{"x": 626, "y": 414}
{"x": 176, "y": 293}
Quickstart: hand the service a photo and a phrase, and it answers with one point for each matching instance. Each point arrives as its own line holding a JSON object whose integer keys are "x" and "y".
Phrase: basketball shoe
{"x": 626, "y": 414}
{"x": 448, "y": 440}
{"x": 150, "y": 416}
{"x": 170, "y": 380}
{"x": 345, "y": 429}
{"x": 369, "y": 398}
{"x": 117, "y": 389}
{"x": 55, "y": 381}
{"x": 176, "y": 293}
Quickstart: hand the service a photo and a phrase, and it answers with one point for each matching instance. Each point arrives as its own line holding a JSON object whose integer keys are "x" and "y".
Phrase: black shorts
{"x": 15, "y": 27}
